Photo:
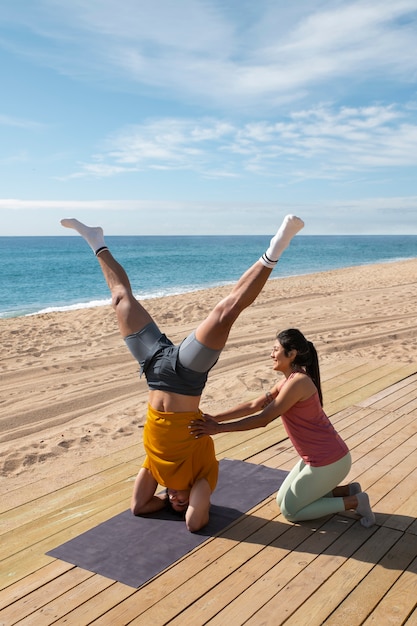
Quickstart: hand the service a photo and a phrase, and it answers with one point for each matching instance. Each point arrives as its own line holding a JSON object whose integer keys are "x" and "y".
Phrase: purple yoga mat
{"x": 132, "y": 550}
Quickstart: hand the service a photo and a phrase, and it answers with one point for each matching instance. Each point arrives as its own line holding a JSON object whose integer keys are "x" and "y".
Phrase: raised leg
{"x": 131, "y": 315}
{"x": 214, "y": 330}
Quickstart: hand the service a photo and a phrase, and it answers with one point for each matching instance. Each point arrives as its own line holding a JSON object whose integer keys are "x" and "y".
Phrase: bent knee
{"x": 290, "y": 515}
{"x": 228, "y": 310}
{"x": 120, "y": 295}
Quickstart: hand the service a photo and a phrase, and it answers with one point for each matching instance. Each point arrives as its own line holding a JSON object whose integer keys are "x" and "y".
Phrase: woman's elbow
{"x": 194, "y": 523}
{"x": 266, "y": 420}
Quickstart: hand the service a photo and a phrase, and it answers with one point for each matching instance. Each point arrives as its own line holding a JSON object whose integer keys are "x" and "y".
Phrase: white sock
{"x": 92, "y": 234}
{"x": 364, "y": 510}
{"x": 289, "y": 227}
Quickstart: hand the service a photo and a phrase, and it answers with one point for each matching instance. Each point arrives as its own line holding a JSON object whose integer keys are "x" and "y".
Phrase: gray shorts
{"x": 180, "y": 369}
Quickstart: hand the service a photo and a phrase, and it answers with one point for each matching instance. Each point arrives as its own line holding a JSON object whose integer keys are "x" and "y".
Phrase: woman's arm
{"x": 209, "y": 426}
{"x": 197, "y": 514}
{"x": 247, "y": 408}
{"x": 299, "y": 388}
{"x": 144, "y": 499}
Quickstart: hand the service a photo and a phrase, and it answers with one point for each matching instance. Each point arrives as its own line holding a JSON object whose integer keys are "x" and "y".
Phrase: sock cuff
{"x": 267, "y": 261}
{"x": 100, "y": 250}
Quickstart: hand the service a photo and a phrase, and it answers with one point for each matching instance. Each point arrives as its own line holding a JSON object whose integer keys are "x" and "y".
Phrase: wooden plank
{"x": 235, "y": 587}
{"x": 357, "y": 379}
{"x": 62, "y": 605}
{"x": 412, "y": 620}
{"x": 360, "y": 393}
{"x": 363, "y": 427}
{"x": 69, "y": 499}
{"x": 22, "y": 563}
{"x": 332, "y": 592}
{"x": 263, "y": 555}
{"x": 94, "y": 606}
{"x": 214, "y": 575}
{"x": 400, "y": 503}
{"x": 38, "y": 598}
{"x": 84, "y": 514}
{"x": 400, "y": 401}
{"x": 374, "y": 446}
{"x": 35, "y": 579}
{"x": 400, "y": 600}
{"x": 387, "y": 391}
{"x": 387, "y": 465}
{"x": 96, "y": 472}
{"x": 366, "y": 598}
{"x": 383, "y": 444}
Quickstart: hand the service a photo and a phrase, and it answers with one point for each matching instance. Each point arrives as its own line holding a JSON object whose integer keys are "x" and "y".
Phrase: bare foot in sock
{"x": 92, "y": 234}
{"x": 354, "y": 489}
{"x": 364, "y": 510}
{"x": 290, "y": 226}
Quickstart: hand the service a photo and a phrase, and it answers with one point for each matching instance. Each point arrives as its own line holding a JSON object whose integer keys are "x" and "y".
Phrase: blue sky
{"x": 208, "y": 116}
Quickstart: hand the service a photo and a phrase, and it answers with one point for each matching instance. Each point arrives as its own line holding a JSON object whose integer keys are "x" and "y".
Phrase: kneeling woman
{"x": 311, "y": 488}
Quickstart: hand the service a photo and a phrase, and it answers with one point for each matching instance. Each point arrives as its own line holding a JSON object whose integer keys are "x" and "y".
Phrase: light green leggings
{"x": 306, "y": 493}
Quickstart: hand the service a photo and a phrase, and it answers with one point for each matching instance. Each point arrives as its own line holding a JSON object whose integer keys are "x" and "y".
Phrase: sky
{"x": 208, "y": 116}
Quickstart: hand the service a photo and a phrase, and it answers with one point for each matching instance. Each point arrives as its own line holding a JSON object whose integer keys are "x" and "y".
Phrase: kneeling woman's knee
{"x": 290, "y": 515}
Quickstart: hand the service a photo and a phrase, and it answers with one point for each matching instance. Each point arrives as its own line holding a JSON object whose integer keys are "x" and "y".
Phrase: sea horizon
{"x": 43, "y": 274}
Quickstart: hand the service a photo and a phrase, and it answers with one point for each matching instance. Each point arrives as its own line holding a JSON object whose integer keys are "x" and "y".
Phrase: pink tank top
{"x": 312, "y": 434}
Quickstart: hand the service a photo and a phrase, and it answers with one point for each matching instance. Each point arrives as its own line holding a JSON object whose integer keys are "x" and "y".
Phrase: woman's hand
{"x": 205, "y": 426}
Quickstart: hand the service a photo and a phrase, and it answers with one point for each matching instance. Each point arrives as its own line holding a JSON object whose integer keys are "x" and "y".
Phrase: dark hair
{"x": 170, "y": 508}
{"x": 293, "y": 339}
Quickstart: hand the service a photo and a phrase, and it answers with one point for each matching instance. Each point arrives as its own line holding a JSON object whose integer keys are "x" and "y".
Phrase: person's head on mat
{"x": 177, "y": 500}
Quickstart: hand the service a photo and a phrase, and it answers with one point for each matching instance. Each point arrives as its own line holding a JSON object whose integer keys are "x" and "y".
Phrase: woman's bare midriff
{"x": 168, "y": 402}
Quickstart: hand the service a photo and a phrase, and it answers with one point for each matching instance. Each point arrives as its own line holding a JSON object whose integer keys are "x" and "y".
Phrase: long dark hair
{"x": 293, "y": 339}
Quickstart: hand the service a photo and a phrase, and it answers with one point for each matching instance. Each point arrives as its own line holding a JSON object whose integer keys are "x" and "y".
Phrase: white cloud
{"x": 214, "y": 54}
{"x": 17, "y": 122}
{"x": 249, "y": 100}
{"x": 327, "y": 142}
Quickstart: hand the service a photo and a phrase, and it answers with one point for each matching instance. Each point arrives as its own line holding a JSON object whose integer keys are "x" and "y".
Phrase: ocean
{"x": 42, "y": 274}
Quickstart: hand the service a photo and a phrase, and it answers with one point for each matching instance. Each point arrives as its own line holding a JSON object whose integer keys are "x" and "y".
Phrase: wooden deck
{"x": 260, "y": 570}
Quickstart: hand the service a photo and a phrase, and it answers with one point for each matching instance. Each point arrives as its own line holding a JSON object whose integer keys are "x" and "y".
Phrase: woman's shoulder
{"x": 303, "y": 383}
{"x": 299, "y": 376}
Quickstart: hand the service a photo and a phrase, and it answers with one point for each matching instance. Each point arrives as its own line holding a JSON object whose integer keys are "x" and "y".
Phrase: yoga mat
{"x": 132, "y": 550}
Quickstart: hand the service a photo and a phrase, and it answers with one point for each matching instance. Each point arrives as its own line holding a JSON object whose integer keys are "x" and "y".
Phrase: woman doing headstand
{"x": 176, "y": 376}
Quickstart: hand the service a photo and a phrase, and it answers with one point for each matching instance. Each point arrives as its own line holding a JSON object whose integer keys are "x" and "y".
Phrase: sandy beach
{"x": 70, "y": 391}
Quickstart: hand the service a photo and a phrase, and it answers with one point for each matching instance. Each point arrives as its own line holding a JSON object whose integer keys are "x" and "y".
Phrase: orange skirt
{"x": 175, "y": 458}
